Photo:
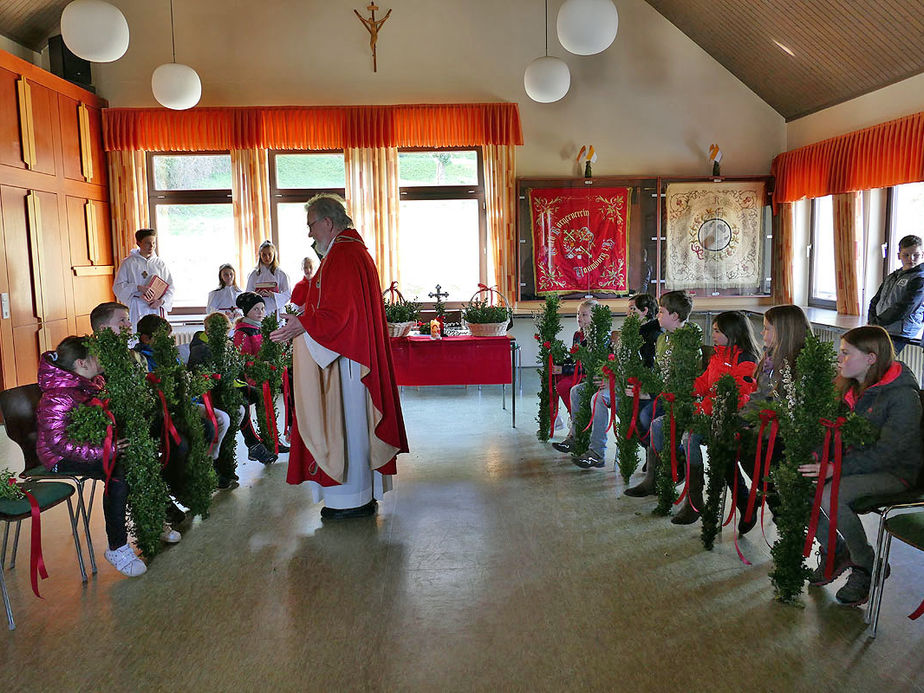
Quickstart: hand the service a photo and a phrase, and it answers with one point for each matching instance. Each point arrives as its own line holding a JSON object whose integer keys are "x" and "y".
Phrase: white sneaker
{"x": 125, "y": 561}
{"x": 170, "y": 535}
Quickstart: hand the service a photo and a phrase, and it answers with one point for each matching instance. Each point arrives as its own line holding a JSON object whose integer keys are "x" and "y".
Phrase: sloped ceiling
{"x": 841, "y": 49}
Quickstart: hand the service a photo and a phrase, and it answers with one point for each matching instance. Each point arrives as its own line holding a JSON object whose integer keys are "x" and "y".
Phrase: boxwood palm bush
{"x": 227, "y": 364}
{"x": 720, "y": 431}
{"x": 548, "y": 325}
{"x": 593, "y": 356}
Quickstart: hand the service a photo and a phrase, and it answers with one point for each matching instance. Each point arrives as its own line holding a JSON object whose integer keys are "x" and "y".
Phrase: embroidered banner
{"x": 714, "y": 237}
{"x": 580, "y": 239}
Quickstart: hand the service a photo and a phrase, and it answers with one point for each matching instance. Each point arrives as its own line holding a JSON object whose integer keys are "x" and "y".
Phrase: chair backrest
{"x": 18, "y": 406}
{"x": 920, "y": 484}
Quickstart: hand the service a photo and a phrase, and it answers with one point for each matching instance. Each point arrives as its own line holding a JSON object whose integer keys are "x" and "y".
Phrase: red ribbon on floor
{"x": 285, "y": 399}
{"x": 109, "y": 448}
{"x": 553, "y": 398}
{"x": 767, "y": 416}
{"x": 917, "y": 613}
{"x": 734, "y": 507}
{"x": 636, "y": 386}
{"x": 169, "y": 429}
{"x": 36, "y": 558}
{"x": 270, "y": 414}
{"x": 831, "y": 427}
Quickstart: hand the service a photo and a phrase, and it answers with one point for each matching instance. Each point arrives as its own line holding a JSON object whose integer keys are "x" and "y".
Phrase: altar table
{"x": 420, "y": 360}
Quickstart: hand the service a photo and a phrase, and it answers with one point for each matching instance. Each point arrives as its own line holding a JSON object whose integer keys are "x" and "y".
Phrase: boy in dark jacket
{"x": 898, "y": 306}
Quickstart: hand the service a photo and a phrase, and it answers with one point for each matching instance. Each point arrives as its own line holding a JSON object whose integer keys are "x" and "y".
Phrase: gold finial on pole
{"x": 372, "y": 26}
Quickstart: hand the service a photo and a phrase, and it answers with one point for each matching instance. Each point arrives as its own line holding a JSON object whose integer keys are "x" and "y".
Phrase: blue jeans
{"x": 660, "y": 428}
{"x": 601, "y": 414}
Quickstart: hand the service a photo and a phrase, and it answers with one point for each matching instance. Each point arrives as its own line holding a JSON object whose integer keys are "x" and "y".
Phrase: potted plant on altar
{"x": 402, "y": 316}
{"x": 484, "y": 320}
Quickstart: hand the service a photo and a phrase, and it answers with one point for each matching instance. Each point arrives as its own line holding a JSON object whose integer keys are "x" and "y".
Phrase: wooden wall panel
{"x": 70, "y": 137}
{"x": 45, "y": 127}
{"x": 10, "y": 143}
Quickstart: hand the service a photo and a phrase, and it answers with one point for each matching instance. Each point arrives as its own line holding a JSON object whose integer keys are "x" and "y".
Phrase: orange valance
{"x": 312, "y": 127}
{"x": 888, "y": 154}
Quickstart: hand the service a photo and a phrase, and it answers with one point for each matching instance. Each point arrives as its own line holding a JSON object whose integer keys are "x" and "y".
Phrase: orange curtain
{"x": 250, "y": 199}
{"x": 312, "y": 127}
{"x": 846, "y": 225}
{"x": 372, "y": 197}
{"x": 888, "y": 154}
{"x": 128, "y": 195}
{"x": 781, "y": 262}
{"x": 500, "y": 203}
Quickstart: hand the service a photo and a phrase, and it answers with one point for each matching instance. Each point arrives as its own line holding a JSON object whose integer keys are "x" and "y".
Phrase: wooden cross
{"x": 438, "y": 294}
{"x": 372, "y": 26}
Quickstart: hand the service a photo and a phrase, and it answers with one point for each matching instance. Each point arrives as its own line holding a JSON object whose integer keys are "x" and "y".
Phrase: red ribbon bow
{"x": 169, "y": 430}
{"x": 392, "y": 290}
{"x": 109, "y": 445}
{"x": 831, "y": 427}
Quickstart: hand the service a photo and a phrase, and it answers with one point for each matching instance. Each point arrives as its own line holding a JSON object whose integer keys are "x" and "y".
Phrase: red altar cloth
{"x": 420, "y": 360}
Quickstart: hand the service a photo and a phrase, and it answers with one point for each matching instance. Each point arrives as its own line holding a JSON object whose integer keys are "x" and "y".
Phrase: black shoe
{"x": 224, "y": 482}
{"x": 567, "y": 445}
{"x": 856, "y": 591}
{"x": 347, "y": 513}
{"x": 841, "y": 563}
{"x": 746, "y": 526}
{"x": 175, "y": 516}
{"x": 260, "y": 453}
{"x": 283, "y": 449}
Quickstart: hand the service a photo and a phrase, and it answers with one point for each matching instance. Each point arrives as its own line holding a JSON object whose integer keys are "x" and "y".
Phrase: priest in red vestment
{"x": 348, "y": 427}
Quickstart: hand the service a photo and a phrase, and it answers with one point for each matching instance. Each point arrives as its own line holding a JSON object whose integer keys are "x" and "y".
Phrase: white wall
{"x": 897, "y": 100}
{"x": 20, "y": 51}
{"x": 652, "y": 103}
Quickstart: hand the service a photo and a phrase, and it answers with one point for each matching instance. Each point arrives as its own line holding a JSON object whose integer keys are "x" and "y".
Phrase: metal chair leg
{"x": 85, "y": 514}
{"x": 6, "y": 536}
{"x": 15, "y": 544}
{"x": 875, "y": 599}
{"x": 73, "y": 519}
{"x": 877, "y": 562}
{"x": 6, "y": 597}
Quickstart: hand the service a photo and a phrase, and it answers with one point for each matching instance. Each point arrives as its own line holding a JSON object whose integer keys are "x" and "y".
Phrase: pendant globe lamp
{"x": 547, "y": 79}
{"x": 587, "y": 27}
{"x": 176, "y": 86}
{"x": 94, "y": 30}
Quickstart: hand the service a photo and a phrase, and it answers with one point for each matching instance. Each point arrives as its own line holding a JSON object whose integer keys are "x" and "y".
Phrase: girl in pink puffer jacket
{"x": 68, "y": 377}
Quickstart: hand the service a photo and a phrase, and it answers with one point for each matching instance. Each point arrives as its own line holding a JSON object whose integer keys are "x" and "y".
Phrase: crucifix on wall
{"x": 372, "y": 26}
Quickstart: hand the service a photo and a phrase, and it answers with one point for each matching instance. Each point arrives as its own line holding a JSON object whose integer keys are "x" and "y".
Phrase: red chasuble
{"x": 345, "y": 313}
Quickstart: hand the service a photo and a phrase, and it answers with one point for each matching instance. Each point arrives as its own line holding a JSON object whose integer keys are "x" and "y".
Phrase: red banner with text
{"x": 580, "y": 239}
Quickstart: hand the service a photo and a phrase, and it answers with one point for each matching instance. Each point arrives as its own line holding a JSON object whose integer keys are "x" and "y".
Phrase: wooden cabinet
{"x": 56, "y": 260}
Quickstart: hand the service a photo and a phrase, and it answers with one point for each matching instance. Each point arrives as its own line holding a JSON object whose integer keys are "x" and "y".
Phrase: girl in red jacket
{"x": 68, "y": 377}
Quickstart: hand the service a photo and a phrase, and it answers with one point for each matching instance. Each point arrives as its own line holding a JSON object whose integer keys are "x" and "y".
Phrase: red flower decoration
{"x": 574, "y": 349}
{"x": 547, "y": 345}
{"x": 611, "y": 357}
{"x": 537, "y": 337}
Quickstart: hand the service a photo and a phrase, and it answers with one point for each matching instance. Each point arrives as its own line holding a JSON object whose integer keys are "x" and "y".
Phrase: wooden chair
{"x": 908, "y": 528}
{"x": 47, "y": 495}
{"x": 886, "y": 506}
{"x": 18, "y": 407}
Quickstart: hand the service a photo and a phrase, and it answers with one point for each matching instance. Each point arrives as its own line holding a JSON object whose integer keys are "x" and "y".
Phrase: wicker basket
{"x": 400, "y": 329}
{"x": 487, "y": 329}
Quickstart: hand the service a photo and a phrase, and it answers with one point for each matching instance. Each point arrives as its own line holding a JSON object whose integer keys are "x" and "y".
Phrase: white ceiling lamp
{"x": 547, "y": 79}
{"x": 94, "y": 30}
{"x": 587, "y": 27}
{"x": 175, "y": 85}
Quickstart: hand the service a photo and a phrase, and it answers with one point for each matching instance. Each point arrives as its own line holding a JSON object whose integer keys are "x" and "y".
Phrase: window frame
{"x": 813, "y": 300}
{"x": 454, "y": 192}
{"x": 293, "y": 195}
{"x": 183, "y": 197}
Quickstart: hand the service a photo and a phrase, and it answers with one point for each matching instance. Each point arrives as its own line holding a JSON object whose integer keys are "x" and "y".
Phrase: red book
{"x": 155, "y": 289}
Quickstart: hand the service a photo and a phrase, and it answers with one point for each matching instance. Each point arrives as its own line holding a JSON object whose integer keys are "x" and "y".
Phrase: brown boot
{"x": 647, "y": 486}
{"x": 687, "y": 515}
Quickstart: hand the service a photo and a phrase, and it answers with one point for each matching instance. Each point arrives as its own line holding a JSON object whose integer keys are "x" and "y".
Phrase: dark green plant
{"x": 720, "y": 433}
{"x": 132, "y": 404}
{"x": 548, "y": 325}
{"x": 402, "y": 311}
{"x": 266, "y": 367}
{"x": 681, "y": 365}
{"x": 227, "y": 363}
{"x": 593, "y": 356}
{"x": 87, "y": 424}
{"x": 479, "y": 312}
{"x": 180, "y": 388}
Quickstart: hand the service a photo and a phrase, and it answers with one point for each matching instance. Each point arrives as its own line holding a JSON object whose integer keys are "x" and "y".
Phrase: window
{"x": 823, "y": 283}
{"x": 190, "y": 200}
{"x": 906, "y": 211}
{"x": 294, "y": 179}
{"x": 443, "y": 236}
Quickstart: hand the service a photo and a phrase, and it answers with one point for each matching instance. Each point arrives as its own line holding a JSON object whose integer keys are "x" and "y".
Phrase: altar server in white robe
{"x": 224, "y": 298}
{"x": 135, "y": 274}
{"x": 269, "y": 280}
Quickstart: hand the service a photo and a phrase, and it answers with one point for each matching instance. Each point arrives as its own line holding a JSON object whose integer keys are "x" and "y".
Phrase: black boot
{"x": 687, "y": 514}
{"x": 647, "y": 485}
{"x": 742, "y": 504}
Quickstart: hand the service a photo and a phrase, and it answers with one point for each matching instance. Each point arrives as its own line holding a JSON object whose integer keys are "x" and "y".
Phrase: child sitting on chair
{"x": 68, "y": 377}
